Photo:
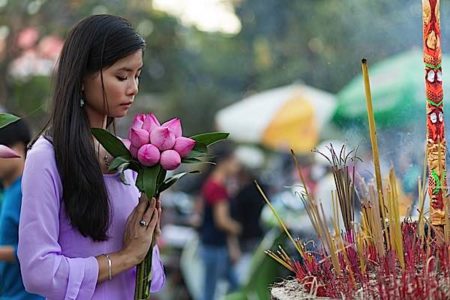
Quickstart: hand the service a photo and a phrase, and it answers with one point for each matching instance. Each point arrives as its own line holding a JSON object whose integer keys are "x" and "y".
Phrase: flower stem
{"x": 144, "y": 277}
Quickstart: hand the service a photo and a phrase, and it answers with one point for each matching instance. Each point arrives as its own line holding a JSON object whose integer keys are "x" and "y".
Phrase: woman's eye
{"x": 122, "y": 78}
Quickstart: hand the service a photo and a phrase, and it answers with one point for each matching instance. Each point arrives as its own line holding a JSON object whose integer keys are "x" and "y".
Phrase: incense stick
{"x": 373, "y": 141}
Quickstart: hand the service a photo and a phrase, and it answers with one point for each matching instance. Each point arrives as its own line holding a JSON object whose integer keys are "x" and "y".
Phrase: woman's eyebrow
{"x": 127, "y": 69}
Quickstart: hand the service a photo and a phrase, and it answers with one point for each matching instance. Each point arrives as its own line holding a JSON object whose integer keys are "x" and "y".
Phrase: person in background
{"x": 218, "y": 231}
{"x": 16, "y": 136}
{"x": 2, "y": 191}
{"x": 246, "y": 207}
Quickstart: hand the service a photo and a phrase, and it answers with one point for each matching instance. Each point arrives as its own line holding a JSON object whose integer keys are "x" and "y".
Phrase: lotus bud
{"x": 139, "y": 137}
{"x": 175, "y": 126}
{"x": 148, "y": 155}
{"x": 138, "y": 121}
{"x": 170, "y": 160}
{"x": 184, "y": 146}
{"x": 163, "y": 138}
{"x": 150, "y": 122}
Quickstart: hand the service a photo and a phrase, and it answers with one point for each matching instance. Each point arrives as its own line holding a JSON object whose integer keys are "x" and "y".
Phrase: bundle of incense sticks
{"x": 383, "y": 257}
{"x": 406, "y": 259}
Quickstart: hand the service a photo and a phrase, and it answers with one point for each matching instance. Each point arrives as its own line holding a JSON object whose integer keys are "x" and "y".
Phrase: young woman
{"x": 82, "y": 230}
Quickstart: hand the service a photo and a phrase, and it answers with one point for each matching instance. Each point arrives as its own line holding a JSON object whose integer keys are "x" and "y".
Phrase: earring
{"x": 81, "y": 102}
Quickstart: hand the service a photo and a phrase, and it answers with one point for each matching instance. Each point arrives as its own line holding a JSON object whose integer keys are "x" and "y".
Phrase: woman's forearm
{"x": 120, "y": 262}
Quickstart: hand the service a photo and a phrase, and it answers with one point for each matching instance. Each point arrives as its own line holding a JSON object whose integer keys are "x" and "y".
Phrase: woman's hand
{"x": 142, "y": 228}
{"x": 158, "y": 225}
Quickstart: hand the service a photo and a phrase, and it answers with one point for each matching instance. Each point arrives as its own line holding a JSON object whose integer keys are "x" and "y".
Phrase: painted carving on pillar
{"x": 436, "y": 143}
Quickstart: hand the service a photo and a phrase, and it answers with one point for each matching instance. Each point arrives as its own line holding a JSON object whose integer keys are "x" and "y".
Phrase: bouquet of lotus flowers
{"x": 6, "y": 152}
{"x": 151, "y": 150}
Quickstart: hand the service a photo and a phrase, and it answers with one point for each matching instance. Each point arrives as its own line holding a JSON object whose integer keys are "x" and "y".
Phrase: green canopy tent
{"x": 398, "y": 92}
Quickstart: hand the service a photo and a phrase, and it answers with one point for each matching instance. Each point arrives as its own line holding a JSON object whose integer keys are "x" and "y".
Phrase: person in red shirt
{"x": 219, "y": 231}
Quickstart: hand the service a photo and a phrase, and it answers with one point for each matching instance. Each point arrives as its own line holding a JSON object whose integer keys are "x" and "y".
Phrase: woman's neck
{"x": 96, "y": 120}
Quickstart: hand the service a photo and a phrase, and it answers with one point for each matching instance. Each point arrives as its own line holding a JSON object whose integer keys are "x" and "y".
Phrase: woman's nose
{"x": 133, "y": 87}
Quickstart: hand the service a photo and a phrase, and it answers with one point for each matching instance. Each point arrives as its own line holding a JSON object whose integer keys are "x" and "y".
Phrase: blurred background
{"x": 276, "y": 74}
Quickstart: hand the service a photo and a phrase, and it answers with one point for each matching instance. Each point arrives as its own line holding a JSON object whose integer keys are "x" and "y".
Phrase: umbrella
{"x": 398, "y": 92}
{"x": 283, "y": 118}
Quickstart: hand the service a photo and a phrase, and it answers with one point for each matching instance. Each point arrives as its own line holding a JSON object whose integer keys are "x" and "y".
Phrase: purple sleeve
{"x": 45, "y": 270}
{"x": 158, "y": 275}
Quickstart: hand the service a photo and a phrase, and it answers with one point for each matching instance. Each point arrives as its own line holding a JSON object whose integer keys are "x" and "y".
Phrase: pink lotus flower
{"x": 163, "y": 138}
{"x": 170, "y": 160}
{"x": 148, "y": 155}
{"x": 6, "y": 152}
{"x": 150, "y": 122}
{"x": 175, "y": 126}
{"x": 139, "y": 137}
{"x": 184, "y": 146}
{"x": 138, "y": 121}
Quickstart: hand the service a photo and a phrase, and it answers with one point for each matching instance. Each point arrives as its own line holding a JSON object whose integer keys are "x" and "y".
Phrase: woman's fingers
{"x": 154, "y": 220}
{"x": 148, "y": 215}
{"x": 142, "y": 206}
{"x": 158, "y": 225}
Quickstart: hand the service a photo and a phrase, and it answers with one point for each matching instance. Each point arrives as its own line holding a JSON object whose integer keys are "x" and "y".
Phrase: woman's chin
{"x": 119, "y": 114}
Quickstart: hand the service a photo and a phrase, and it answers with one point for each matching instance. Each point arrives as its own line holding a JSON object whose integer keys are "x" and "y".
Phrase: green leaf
{"x": 191, "y": 160}
{"x": 150, "y": 178}
{"x": 118, "y": 161}
{"x": 210, "y": 137}
{"x": 172, "y": 180}
{"x": 134, "y": 165}
{"x": 111, "y": 143}
{"x": 161, "y": 176}
{"x": 200, "y": 150}
{"x": 6, "y": 119}
{"x": 140, "y": 180}
{"x": 121, "y": 169}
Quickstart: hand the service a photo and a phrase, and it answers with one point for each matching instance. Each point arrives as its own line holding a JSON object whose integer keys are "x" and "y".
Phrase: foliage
{"x": 319, "y": 42}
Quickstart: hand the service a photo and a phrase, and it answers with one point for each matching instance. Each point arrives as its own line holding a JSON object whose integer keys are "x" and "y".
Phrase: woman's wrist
{"x": 111, "y": 264}
{"x": 127, "y": 258}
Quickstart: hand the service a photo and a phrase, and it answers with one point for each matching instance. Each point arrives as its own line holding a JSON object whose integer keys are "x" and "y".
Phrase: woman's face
{"x": 121, "y": 81}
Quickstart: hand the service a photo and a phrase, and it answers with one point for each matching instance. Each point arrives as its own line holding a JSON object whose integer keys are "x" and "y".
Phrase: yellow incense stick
{"x": 373, "y": 140}
{"x": 280, "y": 222}
{"x": 372, "y": 130}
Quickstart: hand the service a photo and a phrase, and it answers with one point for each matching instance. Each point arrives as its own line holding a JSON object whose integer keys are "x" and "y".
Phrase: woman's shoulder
{"x": 42, "y": 145}
{"x": 42, "y": 152}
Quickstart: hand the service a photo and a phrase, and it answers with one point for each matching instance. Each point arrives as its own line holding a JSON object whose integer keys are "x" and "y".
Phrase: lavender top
{"x": 56, "y": 260}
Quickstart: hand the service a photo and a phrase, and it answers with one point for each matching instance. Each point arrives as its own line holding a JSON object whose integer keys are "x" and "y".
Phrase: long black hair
{"x": 96, "y": 42}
